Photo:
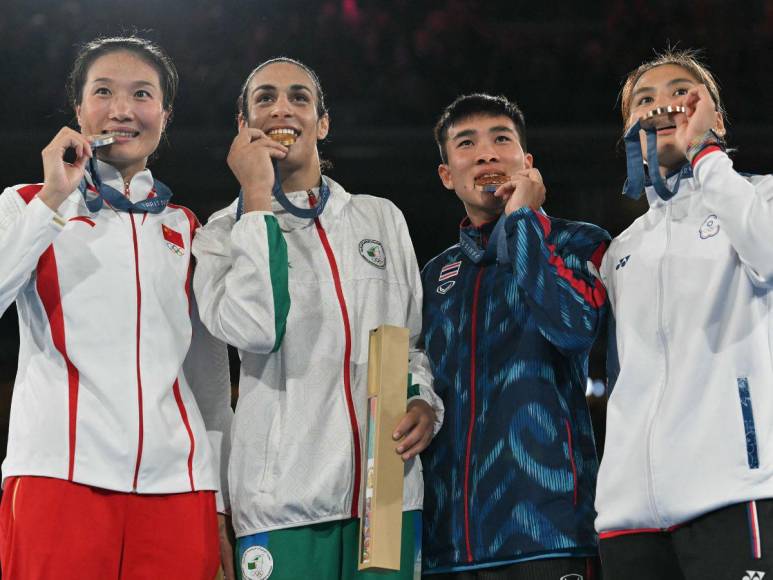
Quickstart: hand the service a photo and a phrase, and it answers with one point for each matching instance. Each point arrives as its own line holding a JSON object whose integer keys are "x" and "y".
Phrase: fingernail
{"x": 396, "y": 435}
{"x": 399, "y": 450}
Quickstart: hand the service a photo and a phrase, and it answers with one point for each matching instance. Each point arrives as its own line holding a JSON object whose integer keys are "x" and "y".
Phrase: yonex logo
{"x": 571, "y": 577}
{"x": 753, "y": 575}
{"x": 622, "y": 262}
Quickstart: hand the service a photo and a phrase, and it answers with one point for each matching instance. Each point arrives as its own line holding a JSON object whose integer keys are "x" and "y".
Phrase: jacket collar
{"x": 339, "y": 197}
{"x": 680, "y": 181}
{"x": 140, "y": 186}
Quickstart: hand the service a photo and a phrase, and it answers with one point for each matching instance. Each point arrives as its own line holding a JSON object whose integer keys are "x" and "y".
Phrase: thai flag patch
{"x": 174, "y": 239}
{"x": 450, "y": 271}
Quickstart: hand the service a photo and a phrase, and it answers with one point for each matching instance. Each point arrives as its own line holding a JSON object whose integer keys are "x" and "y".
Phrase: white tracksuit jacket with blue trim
{"x": 298, "y": 433}
{"x": 119, "y": 385}
{"x": 690, "y": 417}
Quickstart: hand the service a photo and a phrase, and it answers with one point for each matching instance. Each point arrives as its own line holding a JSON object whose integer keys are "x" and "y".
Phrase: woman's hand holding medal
{"x": 250, "y": 161}
{"x": 701, "y": 116}
{"x": 62, "y": 178}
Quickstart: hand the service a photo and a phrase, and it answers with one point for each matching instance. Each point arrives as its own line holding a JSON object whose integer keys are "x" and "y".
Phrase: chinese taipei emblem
{"x": 373, "y": 252}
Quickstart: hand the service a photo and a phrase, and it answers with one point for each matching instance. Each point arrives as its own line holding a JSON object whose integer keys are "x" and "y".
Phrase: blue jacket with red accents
{"x": 511, "y": 475}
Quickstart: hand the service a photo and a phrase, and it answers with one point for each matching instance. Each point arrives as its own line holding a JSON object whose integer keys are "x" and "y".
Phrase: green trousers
{"x": 326, "y": 551}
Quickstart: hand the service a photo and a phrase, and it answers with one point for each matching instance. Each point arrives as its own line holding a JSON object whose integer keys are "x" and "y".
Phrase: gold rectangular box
{"x": 382, "y": 513}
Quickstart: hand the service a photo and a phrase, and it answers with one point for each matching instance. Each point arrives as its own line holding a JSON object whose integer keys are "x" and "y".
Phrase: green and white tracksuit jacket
{"x": 297, "y": 438}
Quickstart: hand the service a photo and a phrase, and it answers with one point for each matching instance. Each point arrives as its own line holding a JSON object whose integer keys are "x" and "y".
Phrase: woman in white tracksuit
{"x": 687, "y": 473}
{"x": 121, "y": 401}
{"x": 298, "y": 432}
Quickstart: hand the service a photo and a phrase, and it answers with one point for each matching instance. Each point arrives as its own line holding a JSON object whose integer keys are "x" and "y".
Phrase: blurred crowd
{"x": 393, "y": 63}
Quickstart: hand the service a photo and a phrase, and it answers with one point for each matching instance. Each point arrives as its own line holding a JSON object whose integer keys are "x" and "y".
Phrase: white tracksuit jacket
{"x": 295, "y": 451}
{"x": 690, "y": 418}
{"x": 104, "y": 393}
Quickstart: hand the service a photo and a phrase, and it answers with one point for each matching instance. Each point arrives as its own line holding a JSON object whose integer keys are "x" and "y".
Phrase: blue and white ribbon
{"x": 281, "y": 197}
{"x": 95, "y": 199}
{"x": 637, "y": 180}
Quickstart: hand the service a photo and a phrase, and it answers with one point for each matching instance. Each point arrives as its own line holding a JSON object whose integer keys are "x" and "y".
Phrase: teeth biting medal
{"x": 651, "y": 122}
{"x": 101, "y": 140}
{"x": 108, "y": 138}
{"x": 661, "y": 117}
{"x": 490, "y": 182}
{"x": 284, "y": 136}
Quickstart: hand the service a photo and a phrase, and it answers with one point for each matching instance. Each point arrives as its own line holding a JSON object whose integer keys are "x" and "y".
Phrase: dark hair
{"x": 468, "y": 106}
{"x": 687, "y": 59}
{"x": 242, "y": 104}
{"x": 148, "y": 51}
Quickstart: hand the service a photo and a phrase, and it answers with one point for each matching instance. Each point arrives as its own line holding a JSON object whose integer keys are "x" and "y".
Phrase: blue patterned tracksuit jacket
{"x": 511, "y": 475}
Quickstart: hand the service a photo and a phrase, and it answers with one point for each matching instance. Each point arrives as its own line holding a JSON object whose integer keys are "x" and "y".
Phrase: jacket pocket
{"x": 572, "y": 463}
{"x": 752, "y": 456}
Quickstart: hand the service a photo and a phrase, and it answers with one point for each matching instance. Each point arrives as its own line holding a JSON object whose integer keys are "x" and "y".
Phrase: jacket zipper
{"x": 354, "y": 424}
{"x": 658, "y": 401}
{"x": 139, "y": 374}
{"x": 468, "y": 453}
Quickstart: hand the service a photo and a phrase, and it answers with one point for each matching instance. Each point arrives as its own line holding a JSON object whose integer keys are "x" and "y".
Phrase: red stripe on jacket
{"x": 355, "y": 426}
{"x": 29, "y": 191}
{"x": 47, "y": 285}
{"x": 49, "y": 291}
{"x": 194, "y": 224}
{"x": 595, "y": 295}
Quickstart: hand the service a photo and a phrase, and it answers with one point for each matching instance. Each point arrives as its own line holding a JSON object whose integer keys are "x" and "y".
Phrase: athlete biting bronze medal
{"x": 490, "y": 182}
{"x": 661, "y": 117}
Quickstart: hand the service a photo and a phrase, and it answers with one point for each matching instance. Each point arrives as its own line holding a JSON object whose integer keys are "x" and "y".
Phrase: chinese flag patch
{"x": 172, "y": 236}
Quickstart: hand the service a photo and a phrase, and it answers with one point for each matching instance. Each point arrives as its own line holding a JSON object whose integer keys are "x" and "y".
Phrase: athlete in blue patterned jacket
{"x": 510, "y": 314}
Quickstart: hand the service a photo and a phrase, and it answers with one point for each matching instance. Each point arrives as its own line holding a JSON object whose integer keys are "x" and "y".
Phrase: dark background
{"x": 388, "y": 68}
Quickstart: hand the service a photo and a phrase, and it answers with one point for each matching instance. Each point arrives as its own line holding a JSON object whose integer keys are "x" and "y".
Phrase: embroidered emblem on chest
{"x": 174, "y": 240}
{"x": 709, "y": 228}
{"x": 373, "y": 252}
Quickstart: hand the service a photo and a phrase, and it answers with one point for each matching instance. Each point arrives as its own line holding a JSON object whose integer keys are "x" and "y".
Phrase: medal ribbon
{"x": 95, "y": 199}
{"x": 279, "y": 195}
{"x": 636, "y": 181}
{"x": 496, "y": 249}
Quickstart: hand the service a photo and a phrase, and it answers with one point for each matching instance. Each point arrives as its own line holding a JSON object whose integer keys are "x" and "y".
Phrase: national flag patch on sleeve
{"x": 450, "y": 271}
{"x": 172, "y": 236}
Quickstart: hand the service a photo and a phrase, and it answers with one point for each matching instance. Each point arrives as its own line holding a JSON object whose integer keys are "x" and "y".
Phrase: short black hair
{"x": 467, "y": 106}
{"x": 144, "y": 49}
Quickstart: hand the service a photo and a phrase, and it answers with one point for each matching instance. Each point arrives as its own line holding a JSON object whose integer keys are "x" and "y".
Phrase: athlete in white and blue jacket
{"x": 689, "y": 439}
